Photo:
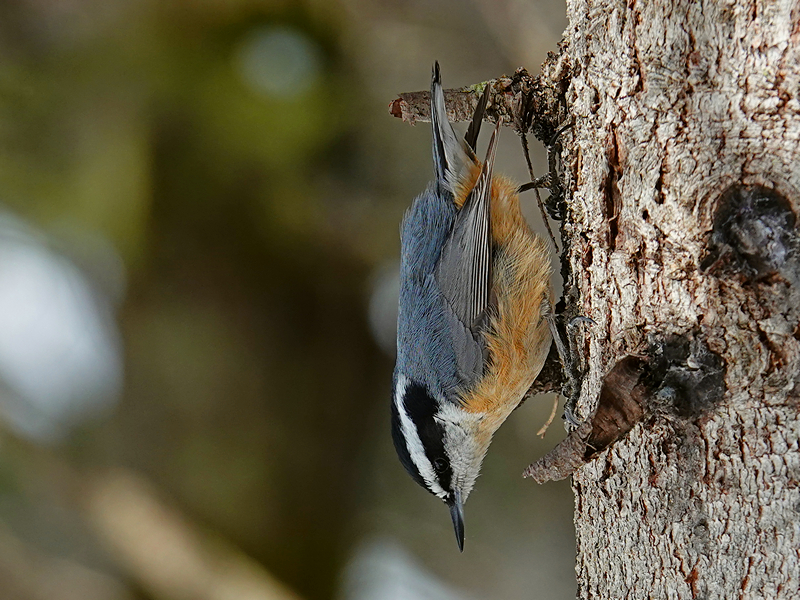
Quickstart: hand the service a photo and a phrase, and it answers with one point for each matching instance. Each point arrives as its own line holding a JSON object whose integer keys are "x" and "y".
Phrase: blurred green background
{"x": 199, "y": 212}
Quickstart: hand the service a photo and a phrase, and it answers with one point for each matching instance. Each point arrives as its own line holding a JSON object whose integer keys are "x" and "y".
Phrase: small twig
{"x": 416, "y": 106}
{"x": 543, "y": 428}
{"x": 526, "y": 152}
{"x": 511, "y": 99}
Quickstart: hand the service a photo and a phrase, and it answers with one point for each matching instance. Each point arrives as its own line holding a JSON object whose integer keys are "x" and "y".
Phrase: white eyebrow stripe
{"x": 413, "y": 442}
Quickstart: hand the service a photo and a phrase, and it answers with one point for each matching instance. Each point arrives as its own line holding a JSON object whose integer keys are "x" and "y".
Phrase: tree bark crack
{"x": 681, "y": 108}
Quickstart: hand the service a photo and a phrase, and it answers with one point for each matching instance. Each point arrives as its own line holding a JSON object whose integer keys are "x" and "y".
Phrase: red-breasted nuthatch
{"x": 471, "y": 335}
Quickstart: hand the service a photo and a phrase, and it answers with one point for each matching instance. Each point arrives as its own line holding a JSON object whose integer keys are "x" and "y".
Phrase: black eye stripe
{"x": 402, "y": 448}
{"x": 421, "y": 408}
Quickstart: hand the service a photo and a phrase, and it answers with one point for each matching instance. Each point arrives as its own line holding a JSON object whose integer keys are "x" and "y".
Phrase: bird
{"x": 473, "y": 328}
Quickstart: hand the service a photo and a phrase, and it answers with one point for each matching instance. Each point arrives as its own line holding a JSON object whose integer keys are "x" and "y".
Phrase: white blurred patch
{"x": 278, "y": 61}
{"x": 60, "y": 358}
{"x": 382, "y": 569}
{"x": 382, "y": 311}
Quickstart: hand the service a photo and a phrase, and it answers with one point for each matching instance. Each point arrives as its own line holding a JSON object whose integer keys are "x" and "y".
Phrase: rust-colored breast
{"x": 518, "y": 337}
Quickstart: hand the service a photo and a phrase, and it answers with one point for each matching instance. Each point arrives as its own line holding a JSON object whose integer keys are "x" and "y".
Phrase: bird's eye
{"x": 440, "y": 465}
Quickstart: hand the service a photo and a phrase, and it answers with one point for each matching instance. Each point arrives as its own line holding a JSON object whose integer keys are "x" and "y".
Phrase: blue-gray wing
{"x": 464, "y": 270}
{"x": 445, "y": 272}
{"x": 434, "y": 347}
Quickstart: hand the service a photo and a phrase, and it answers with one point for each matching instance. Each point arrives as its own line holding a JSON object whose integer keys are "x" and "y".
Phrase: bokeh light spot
{"x": 278, "y": 61}
{"x": 60, "y": 357}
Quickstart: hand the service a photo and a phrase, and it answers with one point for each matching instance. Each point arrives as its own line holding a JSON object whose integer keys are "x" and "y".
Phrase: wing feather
{"x": 449, "y": 156}
{"x": 464, "y": 270}
{"x": 474, "y": 129}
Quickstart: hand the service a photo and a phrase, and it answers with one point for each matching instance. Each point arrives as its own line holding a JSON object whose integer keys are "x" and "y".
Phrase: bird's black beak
{"x": 457, "y": 513}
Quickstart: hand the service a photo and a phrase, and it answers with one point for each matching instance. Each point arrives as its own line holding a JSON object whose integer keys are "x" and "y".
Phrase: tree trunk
{"x": 682, "y": 174}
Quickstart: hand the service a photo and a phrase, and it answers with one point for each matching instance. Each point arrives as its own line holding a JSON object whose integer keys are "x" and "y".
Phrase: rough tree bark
{"x": 683, "y": 171}
{"x": 681, "y": 176}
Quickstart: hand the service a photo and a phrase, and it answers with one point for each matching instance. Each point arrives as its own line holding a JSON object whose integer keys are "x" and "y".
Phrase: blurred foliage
{"x": 248, "y": 226}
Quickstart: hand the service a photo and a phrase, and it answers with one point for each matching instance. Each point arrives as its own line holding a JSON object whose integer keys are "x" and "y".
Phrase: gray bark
{"x": 681, "y": 109}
